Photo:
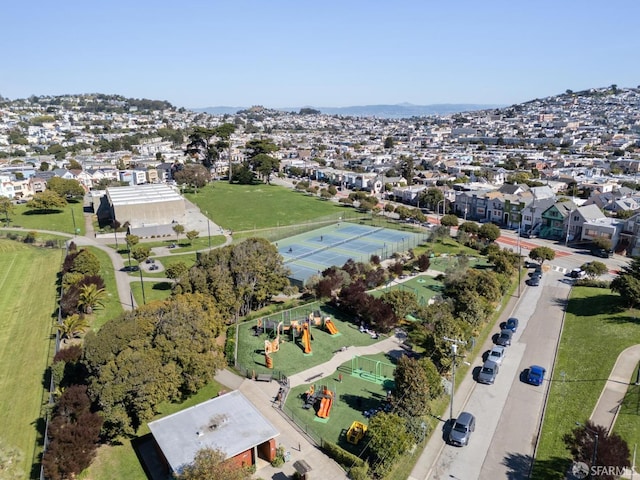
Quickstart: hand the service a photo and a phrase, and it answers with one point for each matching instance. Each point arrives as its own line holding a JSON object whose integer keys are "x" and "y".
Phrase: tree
{"x": 192, "y": 174}
{"x": 603, "y": 243}
{"x": 132, "y": 241}
{"x": 65, "y": 187}
{"x": 72, "y": 327}
{"x": 91, "y": 297}
{"x": 594, "y": 269}
{"x": 74, "y": 432}
{"x": 627, "y": 283}
{"x": 612, "y": 450}
{"x": 412, "y": 397}
{"x": 192, "y": 235}
{"x": 44, "y": 166}
{"x": 200, "y": 147}
{"x": 431, "y": 197}
{"x": 177, "y": 270}
{"x": 449, "y": 220}
{"x": 540, "y": 254}
{"x": 388, "y": 143}
{"x": 388, "y": 439}
{"x": 85, "y": 262}
{"x": 179, "y": 230}
{"x": 406, "y": 169}
{"x": 47, "y": 202}
{"x": 209, "y": 463}
{"x": 6, "y": 208}
{"x": 265, "y": 165}
{"x": 489, "y": 232}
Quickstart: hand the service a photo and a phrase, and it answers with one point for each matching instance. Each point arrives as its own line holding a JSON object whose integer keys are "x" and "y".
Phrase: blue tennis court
{"x": 312, "y": 252}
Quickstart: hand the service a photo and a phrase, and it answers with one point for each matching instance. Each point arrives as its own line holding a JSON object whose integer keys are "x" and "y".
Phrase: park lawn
{"x": 112, "y": 307}
{"x": 251, "y": 207}
{"x": 596, "y": 330}
{"x": 291, "y": 359}
{"x": 66, "y": 220}
{"x": 121, "y": 461}
{"x": 27, "y": 306}
{"x": 424, "y": 287}
{"x": 158, "y": 290}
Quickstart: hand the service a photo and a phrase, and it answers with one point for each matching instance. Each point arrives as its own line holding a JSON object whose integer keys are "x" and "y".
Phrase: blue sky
{"x": 323, "y": 53}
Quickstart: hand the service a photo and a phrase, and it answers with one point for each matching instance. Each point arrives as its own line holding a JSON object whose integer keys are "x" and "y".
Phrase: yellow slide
{"x": 306, "y": 339}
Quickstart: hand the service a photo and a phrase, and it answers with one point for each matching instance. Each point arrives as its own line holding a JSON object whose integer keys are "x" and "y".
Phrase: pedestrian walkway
{"x": 608, "y": 406}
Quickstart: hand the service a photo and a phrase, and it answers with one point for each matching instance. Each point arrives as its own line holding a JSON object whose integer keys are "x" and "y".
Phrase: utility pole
{"x": 454, "y": 354}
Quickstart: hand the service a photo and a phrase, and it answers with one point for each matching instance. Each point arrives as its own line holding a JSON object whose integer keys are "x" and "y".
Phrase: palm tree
{"x": 72, "y": 326}
{"x": 91, "y": 297}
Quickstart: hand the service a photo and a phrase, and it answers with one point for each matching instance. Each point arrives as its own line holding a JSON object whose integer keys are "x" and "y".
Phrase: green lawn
{"x": 120, "y": 461}
{"x": 250, "y": 207}
{"x": 291, "y": 359}
{"x": 27, "y": 306}
{"x": 112, "y": 307}
{"x": 596, "y": 330}
{"x": 152, "y": 290}
{"x": 69, "y": 218}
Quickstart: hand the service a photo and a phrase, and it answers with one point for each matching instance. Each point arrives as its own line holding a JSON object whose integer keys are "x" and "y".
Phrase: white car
{"x": 496, "y": 354}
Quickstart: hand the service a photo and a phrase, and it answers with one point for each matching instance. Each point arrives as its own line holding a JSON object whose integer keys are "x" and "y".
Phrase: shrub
{"x": 278, "y": 461}
{"x": 359, "y": 473}
{"x": 230, "y": 345}
{"x": 588, "y": 282}
{"x": 346, "y": 459}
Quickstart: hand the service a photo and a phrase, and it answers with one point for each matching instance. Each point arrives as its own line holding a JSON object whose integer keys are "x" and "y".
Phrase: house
{"x": 581, "y": 216}
{"x": 554, "y": 220}
{"x": 229, "y": 423}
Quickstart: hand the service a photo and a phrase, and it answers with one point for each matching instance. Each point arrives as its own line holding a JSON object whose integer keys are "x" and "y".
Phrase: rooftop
{"x": 137, "y": 194}
{"x": 230, "y": 423}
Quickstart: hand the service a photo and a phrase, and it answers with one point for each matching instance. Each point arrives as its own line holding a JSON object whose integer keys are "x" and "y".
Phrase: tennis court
{"x": 312, "y": 252}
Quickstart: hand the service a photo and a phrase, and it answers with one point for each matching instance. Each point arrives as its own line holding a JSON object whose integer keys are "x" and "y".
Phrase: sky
{"x": 295, "y": 53}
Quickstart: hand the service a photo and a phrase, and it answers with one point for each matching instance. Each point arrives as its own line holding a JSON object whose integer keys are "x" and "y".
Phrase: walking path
{"x": 606, "y": 410}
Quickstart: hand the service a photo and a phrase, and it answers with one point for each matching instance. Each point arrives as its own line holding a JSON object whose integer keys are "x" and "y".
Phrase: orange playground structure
{"x": 326, "y": 403}
{"x": 330, "y": 326}
{"x": 271, "y": 346}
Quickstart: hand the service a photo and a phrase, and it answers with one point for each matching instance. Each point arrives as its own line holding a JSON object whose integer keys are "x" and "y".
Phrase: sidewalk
{"x": 606, "y": 410}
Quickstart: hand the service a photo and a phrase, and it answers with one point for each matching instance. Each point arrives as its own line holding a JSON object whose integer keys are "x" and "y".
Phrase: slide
{"x": 306, "y": 339}
{"x": 331, "y": 327}
{"x": 325, "y": 407}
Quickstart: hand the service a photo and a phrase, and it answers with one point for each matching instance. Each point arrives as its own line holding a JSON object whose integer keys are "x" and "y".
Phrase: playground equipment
{"x": 356, "y": 432}
{"x": 309, "y": 397}
{"x": 326, "y": 403}
{"x": 271, "y": 346}
{"x": 329, "y": 325}
{"x": 306, "y": 339}
{"x": 371, "y": 370}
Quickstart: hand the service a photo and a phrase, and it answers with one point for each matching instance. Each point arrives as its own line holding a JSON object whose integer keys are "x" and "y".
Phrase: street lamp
{"x": 594, "y": 457}
{"x": 454, "y": 355}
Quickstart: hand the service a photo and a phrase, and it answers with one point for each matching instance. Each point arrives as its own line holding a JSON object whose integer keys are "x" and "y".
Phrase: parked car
{"x": 488, "y": 372}
{"x": 533, "y": 281}
{"x": 577, "y": 273}
{"x": 536, "y": 375}
{"x": 504, "y": 339}
{"x": 512, "y": 324}
{"x": 462, "y": 429}
{"x": 497, "y": 354}
{"x": 602, "y": 253}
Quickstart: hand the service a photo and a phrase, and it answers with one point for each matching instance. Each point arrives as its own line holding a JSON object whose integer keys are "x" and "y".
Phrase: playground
{"x": 305, "y": 337}
{"x": 356, "y": 395}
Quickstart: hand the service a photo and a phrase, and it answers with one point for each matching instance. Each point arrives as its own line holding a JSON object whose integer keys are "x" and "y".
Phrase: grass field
{"x": 152, "y": 291}
{"x": 270, "y": 206}
{"x": 62, "y": 221}
{"x": 112, "y": 307}
{"x": 27, "y": 306}
{"x": 596, "y": 330}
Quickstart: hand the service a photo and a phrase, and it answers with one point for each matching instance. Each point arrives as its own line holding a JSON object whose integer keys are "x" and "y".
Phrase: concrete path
{"x": 606, "y": 410}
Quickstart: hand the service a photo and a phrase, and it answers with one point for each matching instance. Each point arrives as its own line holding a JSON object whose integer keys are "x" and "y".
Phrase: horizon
{"x": 333, "y": 55}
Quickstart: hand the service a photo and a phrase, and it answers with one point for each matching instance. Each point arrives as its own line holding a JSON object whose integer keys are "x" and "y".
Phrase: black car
{"x": 504, "y": 338}
{"x": 602, "y": 253}
{"x": 533, "y": 281}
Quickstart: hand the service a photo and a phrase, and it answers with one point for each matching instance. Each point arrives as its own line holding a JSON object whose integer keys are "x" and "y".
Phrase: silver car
{"x": 496, "y": 354}
{"x": 463, "y": 427}
{"x": 488, "y": 372}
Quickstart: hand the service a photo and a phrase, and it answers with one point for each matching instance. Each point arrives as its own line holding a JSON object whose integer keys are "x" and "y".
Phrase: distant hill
{"x": 402, "y": 110}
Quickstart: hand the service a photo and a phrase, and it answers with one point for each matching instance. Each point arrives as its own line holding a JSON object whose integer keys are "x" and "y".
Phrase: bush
{"x": 359, "y": 473}
{"x": 588, "y": 282}
{"x": 278, "y": 461}
{"x": 346, "y": 459}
